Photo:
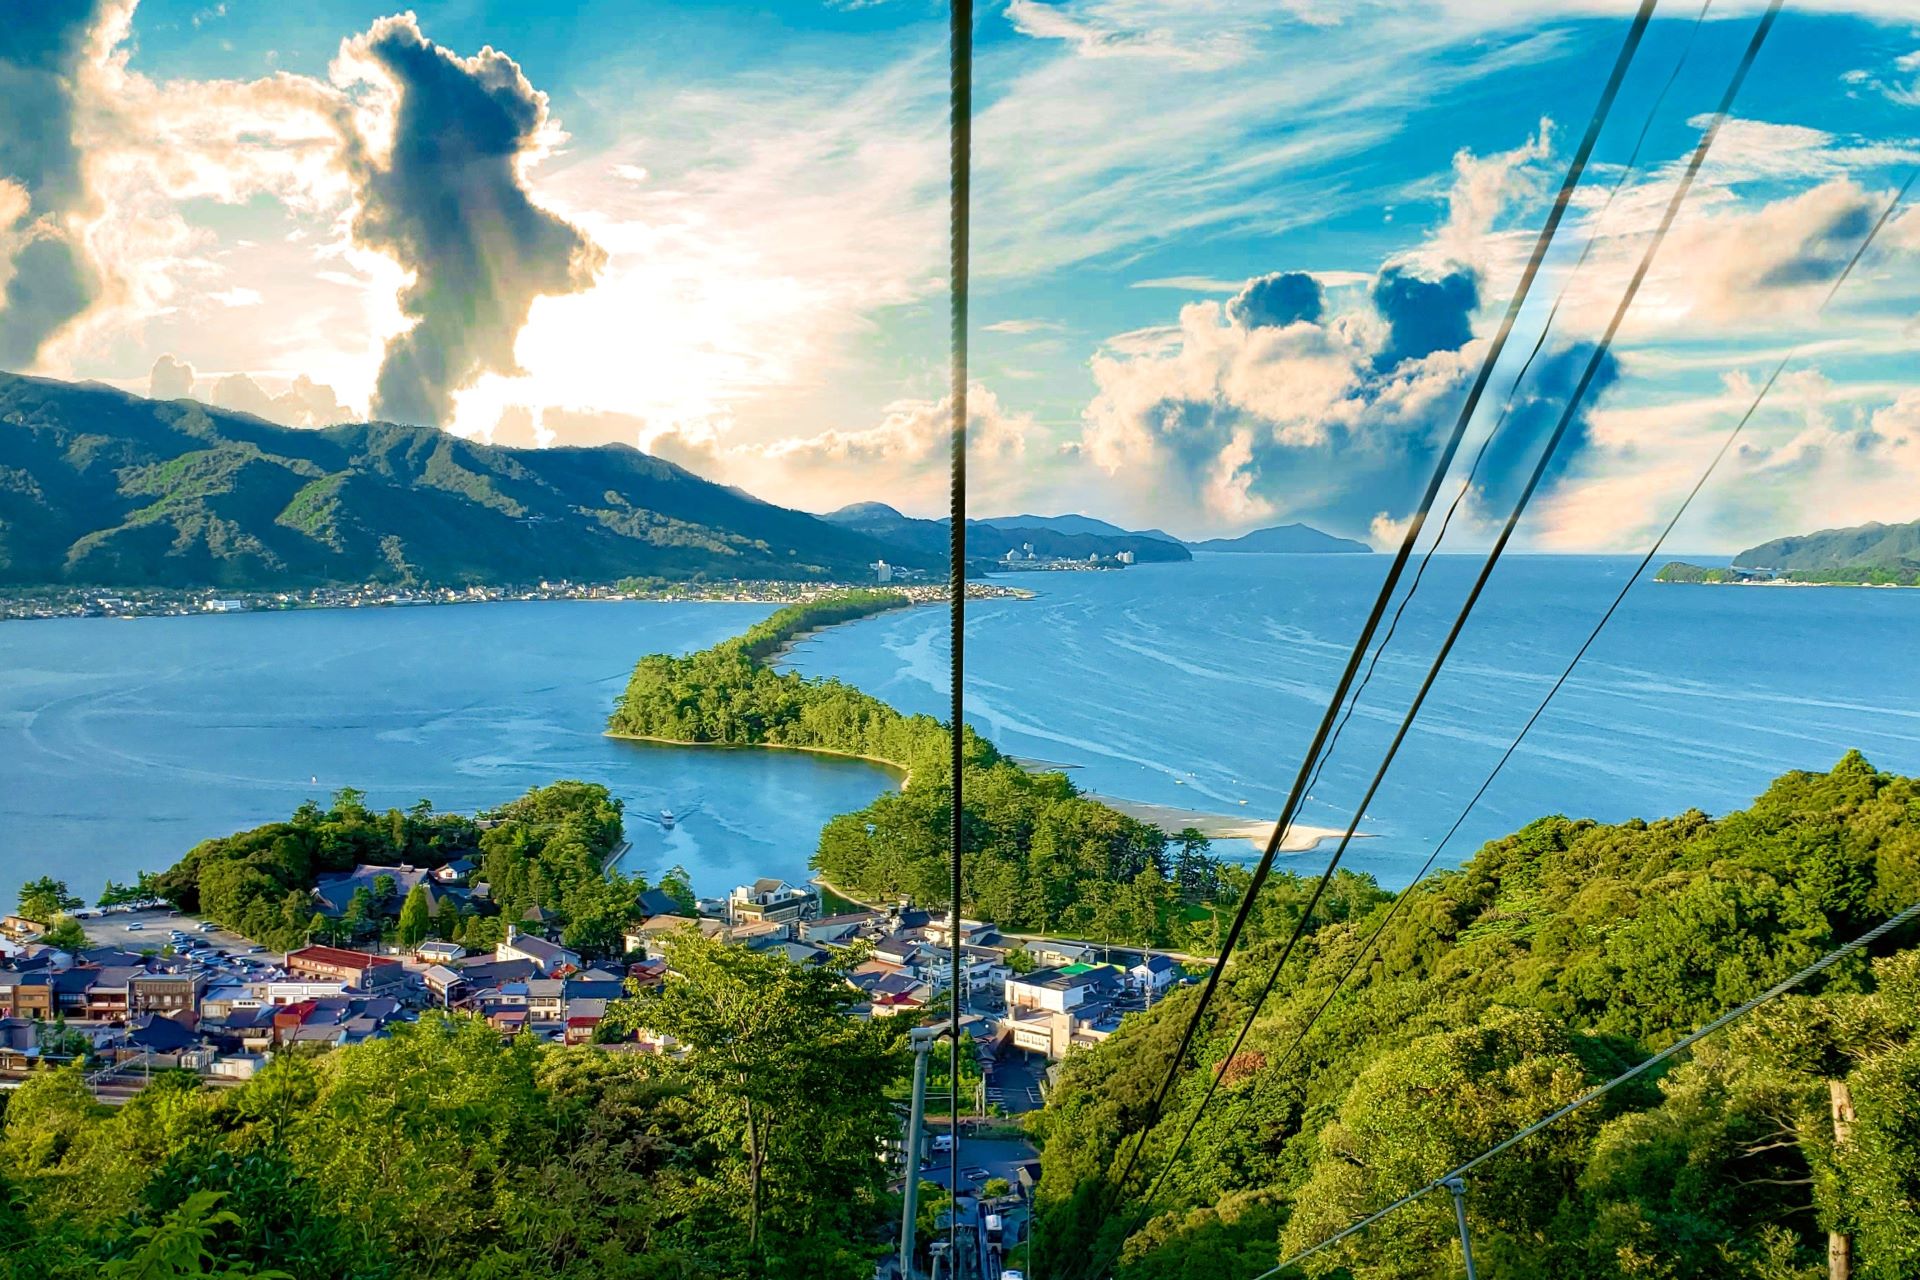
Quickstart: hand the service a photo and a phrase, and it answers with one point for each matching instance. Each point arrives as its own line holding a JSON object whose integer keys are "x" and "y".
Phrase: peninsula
{"x": 1868, "y": 555}
{"x": 1042, "y": 856}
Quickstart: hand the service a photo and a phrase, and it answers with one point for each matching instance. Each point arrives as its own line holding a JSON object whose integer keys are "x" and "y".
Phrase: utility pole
{"x": 923, "y": 1039}
{"x": 1459, "y": 1189}
{"x": 1839, "y": 1243}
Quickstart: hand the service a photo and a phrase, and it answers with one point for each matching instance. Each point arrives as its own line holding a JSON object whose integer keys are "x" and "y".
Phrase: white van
{"x": 942, "y": 1143}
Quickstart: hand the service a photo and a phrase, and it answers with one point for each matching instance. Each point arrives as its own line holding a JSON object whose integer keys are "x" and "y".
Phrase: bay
{"x": 122, "y": 743}
{"x": 125, "y": 742}
{"x": 1199, "y": 685}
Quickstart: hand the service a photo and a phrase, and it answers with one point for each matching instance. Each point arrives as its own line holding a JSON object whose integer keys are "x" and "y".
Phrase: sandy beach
{"x": 1223, "y": 826}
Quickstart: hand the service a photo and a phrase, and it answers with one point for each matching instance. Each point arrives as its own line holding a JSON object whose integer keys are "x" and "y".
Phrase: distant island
{"x": 1288, "y": 539}
{"x": 1868, "y": 555}
{"x": 990, "y": 542}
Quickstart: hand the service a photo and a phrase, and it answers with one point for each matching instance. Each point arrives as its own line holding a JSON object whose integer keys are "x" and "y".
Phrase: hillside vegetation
{"x": 1555, "y": 958}
{"x": 103, "y": 488}
{"x": 545, "y": 849}
{"x": 1039, "y": 855}
{"x": 1892, "y": 548}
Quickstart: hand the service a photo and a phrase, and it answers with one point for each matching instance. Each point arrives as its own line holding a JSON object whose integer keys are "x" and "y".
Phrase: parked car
{"x": 135, "y": 927}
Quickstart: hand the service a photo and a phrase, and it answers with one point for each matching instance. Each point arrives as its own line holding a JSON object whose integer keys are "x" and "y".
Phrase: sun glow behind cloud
{"x": 768, "y": 306}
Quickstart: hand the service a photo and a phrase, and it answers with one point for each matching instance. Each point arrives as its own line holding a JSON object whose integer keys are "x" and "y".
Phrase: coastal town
{"x": 170, "y": 602}
{"x": 135, "y": 989}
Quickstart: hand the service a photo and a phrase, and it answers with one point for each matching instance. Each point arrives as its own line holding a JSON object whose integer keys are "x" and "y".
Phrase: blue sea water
{"x": 124, "y": 742}
{"x": 1199, "y": 685}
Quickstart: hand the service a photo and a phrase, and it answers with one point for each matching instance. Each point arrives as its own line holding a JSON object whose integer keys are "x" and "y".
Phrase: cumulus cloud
{"x": 45, "y": 48}
{"x": 170, "y": 380}
{"x": 1278, "y": 299}
{"x": 446, "y": 196}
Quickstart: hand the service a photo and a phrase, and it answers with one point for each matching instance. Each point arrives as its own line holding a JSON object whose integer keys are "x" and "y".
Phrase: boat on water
{"x": 667, "y": 818}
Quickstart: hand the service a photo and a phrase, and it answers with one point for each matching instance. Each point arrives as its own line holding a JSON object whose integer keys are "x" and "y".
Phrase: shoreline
{"x": 903, "y": 774}
{"x": 1224, "y": 826}
{"x": 1783, "y": 582}
{"x": 31, "y": 604}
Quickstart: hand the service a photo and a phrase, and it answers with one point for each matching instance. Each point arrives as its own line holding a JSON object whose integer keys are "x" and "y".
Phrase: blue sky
{"x": 716, "y": 231}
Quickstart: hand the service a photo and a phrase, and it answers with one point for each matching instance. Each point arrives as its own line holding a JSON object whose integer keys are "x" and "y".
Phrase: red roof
{"x": 339, "y": 957}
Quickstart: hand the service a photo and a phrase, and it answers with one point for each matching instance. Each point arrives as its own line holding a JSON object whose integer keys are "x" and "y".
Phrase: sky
{"x": 1234, "y": 264}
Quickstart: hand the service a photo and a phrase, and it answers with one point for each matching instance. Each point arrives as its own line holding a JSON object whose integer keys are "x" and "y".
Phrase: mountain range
{"x": 989, "y": 540}
{"x": 1874, "y": 546}
{"x": 100, "y": 487}
{"x": 105, "y": 488}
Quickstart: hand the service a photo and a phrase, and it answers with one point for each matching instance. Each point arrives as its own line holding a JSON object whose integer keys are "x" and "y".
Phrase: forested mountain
{"x": 990, "y": 540}
{"x": 1554, "y": 959}
{"x": 1289, "y": 538}
{"x": 1893, "y": 547}
{"x": 1074, "y": 524}
{"x": 101, "y": 487}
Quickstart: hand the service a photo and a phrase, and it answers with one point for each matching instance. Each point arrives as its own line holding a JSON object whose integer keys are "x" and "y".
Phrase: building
{"x": 444, "y": 984}
{"x": 357, "y": 970}
{"x": 837, "y": 930}
{"x": 296, "y": 991}
{"x": 166, "y": 992}
{"x": 650, "y": 938}
{"x": 1059, "y": 990}
{"x": 439, "y": 952}
{"x": 332, "y": 894}
{"x": 583, "y": 1018}
{"x": 772, "y": 899}
{"x": 1154, "y": 973}
{"x": 20, "y": 929}
{"x": 110, "y": 997}
{"x": 226, "y": 606}
{"x": 549, "y": 957}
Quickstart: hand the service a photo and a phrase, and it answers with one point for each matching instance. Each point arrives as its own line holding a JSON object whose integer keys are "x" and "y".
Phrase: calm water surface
{"x": 123, "y": 743}
{"x": 1199, "y": 685}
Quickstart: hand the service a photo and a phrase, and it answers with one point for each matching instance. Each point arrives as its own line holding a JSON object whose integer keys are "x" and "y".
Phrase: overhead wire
{"x": 1513, "y": 391}
{"x": 1578, "y": 394}
{"x": 1366, "y": 950}
{"x": 960, "y": 186}
{"x": 1444, "y": 462}
{"x": 1602, "y": 1090}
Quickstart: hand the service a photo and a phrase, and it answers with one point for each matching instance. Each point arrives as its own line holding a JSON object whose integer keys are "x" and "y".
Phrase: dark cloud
{"x": 43, "y": 45}
{"x": 1535, "y": 410}
{"x": 449, "y": 205}
{"x": 1423, "y": 316}
{"x": 1819, "y": 257}
{"x": 1278, "y": 299}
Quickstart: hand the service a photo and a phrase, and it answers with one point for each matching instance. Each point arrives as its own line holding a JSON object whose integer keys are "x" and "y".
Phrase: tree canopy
{"x": 1555, "y": 958}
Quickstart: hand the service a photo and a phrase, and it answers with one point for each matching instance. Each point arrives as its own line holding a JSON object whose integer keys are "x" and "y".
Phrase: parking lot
{"x": 151, "y": 930}
{"x": 984, "y": 1157}
{"x": 1013, "y": 1081}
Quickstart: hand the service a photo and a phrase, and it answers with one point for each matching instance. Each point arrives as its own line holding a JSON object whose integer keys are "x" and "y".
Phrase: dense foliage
{"x": 1559, "y": 955}
{"x": 1860, "y": 575}
{"x": 446, "y": 1152}
{"x": 1040, "y": 855}
{"x": 545, "y": 849}
{"x": 101, "y": 487}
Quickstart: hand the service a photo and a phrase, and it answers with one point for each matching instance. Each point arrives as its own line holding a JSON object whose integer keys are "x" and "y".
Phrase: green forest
{"x": 444, "y": 1151}
{"x": 546, "y": 849}
{"x": 1553, "y": 960}
{"x": 1039, "y": 855}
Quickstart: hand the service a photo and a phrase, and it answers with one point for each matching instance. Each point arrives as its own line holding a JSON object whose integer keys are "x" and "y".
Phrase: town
{"x": 159, "y": 602}
{"x": 135, "y": 988}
